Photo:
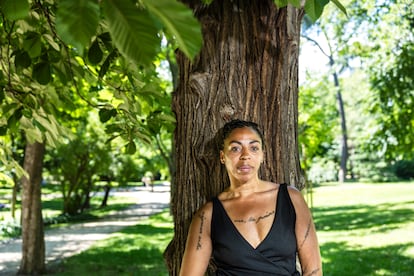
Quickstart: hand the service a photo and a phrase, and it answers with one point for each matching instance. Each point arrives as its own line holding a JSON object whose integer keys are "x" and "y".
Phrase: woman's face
{"x": 242, "y": 153}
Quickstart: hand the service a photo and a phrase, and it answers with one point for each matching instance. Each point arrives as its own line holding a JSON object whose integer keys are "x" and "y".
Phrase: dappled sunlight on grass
{"x": 135, "y": 250}
{"x": 341, "y": 259}
{"x": 380, "y": 217}
{"x": 363, "y": 230}
{"x": 372, "y": 235}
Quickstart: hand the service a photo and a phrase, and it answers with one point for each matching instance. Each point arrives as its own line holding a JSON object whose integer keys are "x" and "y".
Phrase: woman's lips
{"x": 244, "y": 168}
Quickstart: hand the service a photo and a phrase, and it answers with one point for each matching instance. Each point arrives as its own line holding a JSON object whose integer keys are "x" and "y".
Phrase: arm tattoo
{"x": 306, "y": 234}
{"x": 200, "y": 232}
{"x": 313, "y": 272}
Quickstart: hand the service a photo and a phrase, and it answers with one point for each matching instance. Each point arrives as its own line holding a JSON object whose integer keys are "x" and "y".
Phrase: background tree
{"x": 335, "y": 70}
{"x": 44, "y": 62}
{"x": 373, "y": 44}
{"x": 317, "y": 130}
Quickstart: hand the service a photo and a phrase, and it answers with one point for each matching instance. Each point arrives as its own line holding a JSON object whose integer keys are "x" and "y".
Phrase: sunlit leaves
{"x": 133, "y": 30}
{"x": 14, "y": 9}
{"x": 314, "y": 8}
{"x": 77, "y": 21}
{"x": 394, "y": 86}
{"x": 339, "y": 6}
{"x": 179, "y": 22}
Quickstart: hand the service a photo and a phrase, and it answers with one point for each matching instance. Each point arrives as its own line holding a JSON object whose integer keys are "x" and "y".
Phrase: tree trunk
{"x": 14, "y": 195}
{"x": 33, "y": 243}
{"x": 344, "y": 138}
{"x": 107, "y": 189}
{"x": 247, "y": 69}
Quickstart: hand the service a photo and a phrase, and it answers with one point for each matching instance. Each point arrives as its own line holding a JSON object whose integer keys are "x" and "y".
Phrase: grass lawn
{"x": 366, "y": 229}
{"x": 363, "y": 229}
{"x": 52, "y": 206}
{"x": 136, "y": 250}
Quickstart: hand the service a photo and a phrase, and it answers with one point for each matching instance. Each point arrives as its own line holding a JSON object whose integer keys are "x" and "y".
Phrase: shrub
{"x": 404, "y": 169}
{"x": 10, "y": 228}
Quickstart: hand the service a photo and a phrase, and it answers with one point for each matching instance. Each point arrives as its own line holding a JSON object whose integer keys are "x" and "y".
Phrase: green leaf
{"x": 32, "y": 44}
{"x": 51, "y": 42}
{"x": 22, "y": 59}
{"x": 14, "y": 118}
{"x": 42, "y": 73}
{"x": 3, "y": 130}
{"x": 15, "y": 9}
{"x": 77, "y": 21}
{"x": 95, "y": 53}
{"x": 133, "y": 30}
{"x": 340, "y": 6}
{"x": 106, "y": 114}
{"x": 179, "y": 22}
{"x": 314, "y": 8}
{"x": 2, "y": 94}
{"x": 131, "y": 148}
{"x": 107, "y": 63}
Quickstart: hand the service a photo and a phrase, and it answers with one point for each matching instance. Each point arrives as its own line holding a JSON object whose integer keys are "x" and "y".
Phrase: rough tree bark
{"x": 33, "y": 243}
{"x": 247, "y": 69}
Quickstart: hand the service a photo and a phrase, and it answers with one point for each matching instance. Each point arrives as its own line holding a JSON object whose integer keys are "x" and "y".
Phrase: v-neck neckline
{"x": 267, "y": 234}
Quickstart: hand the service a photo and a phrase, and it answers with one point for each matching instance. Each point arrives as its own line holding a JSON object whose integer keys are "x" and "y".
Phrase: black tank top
{"x": 275, "y": 255}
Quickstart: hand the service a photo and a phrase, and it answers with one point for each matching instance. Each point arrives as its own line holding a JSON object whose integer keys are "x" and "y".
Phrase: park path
{"x": 64, "y": 242}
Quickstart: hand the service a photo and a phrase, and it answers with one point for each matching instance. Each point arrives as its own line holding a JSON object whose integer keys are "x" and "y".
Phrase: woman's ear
{"x": 221, "y": 157}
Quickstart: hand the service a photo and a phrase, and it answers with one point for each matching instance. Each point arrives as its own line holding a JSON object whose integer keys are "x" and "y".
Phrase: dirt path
{"x": 64, "y": 242}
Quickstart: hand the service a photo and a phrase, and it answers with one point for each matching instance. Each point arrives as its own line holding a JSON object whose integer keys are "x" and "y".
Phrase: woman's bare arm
{"x": 307, "y": 241}
{"x": 198, "y": 247}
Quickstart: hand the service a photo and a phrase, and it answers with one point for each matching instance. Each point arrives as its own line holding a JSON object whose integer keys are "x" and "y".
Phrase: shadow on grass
{"x": 135, "y": 250}
{"x": 381, "y": 218}
{"x": 388, "y": 260}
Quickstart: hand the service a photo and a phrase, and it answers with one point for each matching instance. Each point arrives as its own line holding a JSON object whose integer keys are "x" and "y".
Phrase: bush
{"x": 10, "y": 228}
{"x": 404, "y": 169}
{"x": 322, "y": 170}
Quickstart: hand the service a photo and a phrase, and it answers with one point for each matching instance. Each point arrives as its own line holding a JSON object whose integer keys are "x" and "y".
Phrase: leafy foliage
{"x": 317, "y": 121}
{"x": 77, "y": 21}
{"x": 388, "y": 55}
{"x": 404, "y": 169}
{"x": 313, "y": 8}
{"x": 59, "y": 56}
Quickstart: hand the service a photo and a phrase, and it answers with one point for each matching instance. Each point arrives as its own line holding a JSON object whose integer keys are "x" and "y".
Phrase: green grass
{"x": 136, "y": 250}
{"x": 52, "y": 207}
{"x": 366, "y": 229}
{"x": 363, "y": 229}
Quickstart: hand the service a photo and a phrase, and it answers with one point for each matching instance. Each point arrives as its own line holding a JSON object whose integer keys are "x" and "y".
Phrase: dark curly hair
{"x": 230, "y": 126}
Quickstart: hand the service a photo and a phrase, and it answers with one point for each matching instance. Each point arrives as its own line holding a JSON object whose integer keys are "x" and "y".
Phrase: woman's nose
{"x": 244, "y": 155}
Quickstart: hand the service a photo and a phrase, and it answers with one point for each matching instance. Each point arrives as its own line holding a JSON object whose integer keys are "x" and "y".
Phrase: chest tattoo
{"x": 256, "y": 220}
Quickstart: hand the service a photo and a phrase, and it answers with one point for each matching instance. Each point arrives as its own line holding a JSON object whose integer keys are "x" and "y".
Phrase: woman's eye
{"x": 255, "y": 148}
{"x": 234, "y": 149}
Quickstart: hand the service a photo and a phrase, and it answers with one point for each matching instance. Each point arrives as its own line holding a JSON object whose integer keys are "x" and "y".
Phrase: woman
{"x": 254, "y": 227}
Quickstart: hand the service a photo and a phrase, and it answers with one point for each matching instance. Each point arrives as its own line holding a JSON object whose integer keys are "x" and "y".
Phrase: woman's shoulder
{"x": 206, "y": 208}
{"x": 296, "y": 195}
